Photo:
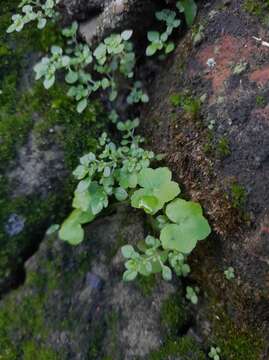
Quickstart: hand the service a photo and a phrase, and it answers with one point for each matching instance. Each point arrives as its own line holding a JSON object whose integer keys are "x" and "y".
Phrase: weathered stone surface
{"x": 81, "y": 9}
{"x": 100, "y": 20}
{"x": 225, "y": 168}
{"x": 77, "y": 292}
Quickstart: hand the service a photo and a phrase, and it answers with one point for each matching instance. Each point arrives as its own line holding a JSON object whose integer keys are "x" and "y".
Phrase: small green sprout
{"x": 191, "y": 294}
{"x": 160, "y": 41}
{"x": 229, "y": 273}
{"x": 189, "y": 8}
{"x": 114, "y": 55}
{"x": 214, "y": 353}
{"x": 34, "y": 11}
{"x": 137, "y": 95}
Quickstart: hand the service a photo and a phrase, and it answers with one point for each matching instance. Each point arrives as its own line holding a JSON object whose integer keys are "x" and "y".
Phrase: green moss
{"x": 236, "y": 343}
{"x": 146, "y": 284}
{"x": 76, "y": 133}
{"x": 35, "y": 109}
{"x": 29, "y": 320}
{"x": 256, "y": 7}
{"x": 223, "y": 147}
{"x": 32, "y": 351}
{"x": 174, "y": 316}
{"x": 261, "y": 101}
{"x": 189, "y": 104}
{"x": 106, "y": 328}
{"x": 185, "y": 348}
{"x": 209, "y": 145}
{"x": 238, "y": 196}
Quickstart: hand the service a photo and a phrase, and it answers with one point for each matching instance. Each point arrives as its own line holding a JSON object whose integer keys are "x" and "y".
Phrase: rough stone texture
{"x": 32, "y": 171}
{"x": 81, "y": 9}
{"x": 87, "y": 311}
{"x": 99, "y": 19}
{"x": 232, "y": 89}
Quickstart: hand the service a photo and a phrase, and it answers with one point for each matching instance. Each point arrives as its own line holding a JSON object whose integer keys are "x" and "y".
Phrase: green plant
{"x": 238, "y": 196}
{"x": 189, "y": 104}
{"x": 214, "y": 353}
{"x": 261, "y": 101}
{"x": 191, "y": 294}
{"x": 113, "y": 55}
{"x": 34, "y": 10}
{"x": 229, "y": 273}
{"x": 112, "y": 172}
{"x": 122, "y": 171}
{"x": 137, "y": 95}
{"x": 223, "y": 147}
{"x": 159, "y": 41}
{"x": 189, "y": 8}
{"x": 118, "y": 171}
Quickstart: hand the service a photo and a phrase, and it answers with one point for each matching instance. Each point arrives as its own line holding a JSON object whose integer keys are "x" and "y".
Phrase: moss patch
{"x": 52, "y": 118}
{"x": 185, "y": 348}
{"x": 236, "y": 343}
{"x": 174, "y": 316}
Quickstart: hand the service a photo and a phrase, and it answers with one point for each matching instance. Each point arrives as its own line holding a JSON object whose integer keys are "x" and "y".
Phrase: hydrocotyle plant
{"x": 34, "y": 10}
{"x": 121, "y": 171}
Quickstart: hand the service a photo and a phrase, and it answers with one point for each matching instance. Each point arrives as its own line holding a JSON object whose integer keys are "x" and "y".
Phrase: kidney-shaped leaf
{"x": 154, "y": 178}
{"x": 143, "y": 199}
{"x": 157, "y": 189}
{"x": 179, "y": 210}
{"x": 184, "y": 236}
{"x": 71, "y": 230}
{"x": 173, "y": 238}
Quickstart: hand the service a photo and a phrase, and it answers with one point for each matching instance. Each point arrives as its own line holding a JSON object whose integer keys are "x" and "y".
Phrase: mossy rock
{"x": 185, "y": 348}
{"x": 175, "y": 316}
{"x": 30, "y": 114}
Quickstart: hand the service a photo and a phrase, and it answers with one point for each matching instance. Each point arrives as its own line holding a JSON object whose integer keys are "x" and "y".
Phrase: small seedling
{"x": 214, "y": 353}
{"x": 229, "y": 273}
{"x": 192, "y": 294}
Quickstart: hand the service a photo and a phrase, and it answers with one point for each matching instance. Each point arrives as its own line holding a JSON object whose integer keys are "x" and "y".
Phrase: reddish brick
{"x": 260, "y": 76}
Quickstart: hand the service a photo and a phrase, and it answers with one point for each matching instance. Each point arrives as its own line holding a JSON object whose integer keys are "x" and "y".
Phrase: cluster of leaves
{"x": 122, "y": 172}
{"x": 181, "y": 225}
{"x": 214, "y": 353}
{"x": 229, "y": 273}
{"x": 113, "y": 172}
{"x": 160, "y": 41}
{"x": 88, "y": 71}
{"x": 191, "y": 294}
{"x": 34, "y": 10}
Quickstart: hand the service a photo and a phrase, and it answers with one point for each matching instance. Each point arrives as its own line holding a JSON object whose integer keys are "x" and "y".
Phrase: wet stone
{"x": 14, "y": 225}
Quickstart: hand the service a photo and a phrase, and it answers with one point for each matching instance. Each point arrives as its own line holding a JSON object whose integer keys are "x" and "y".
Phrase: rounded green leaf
{"x": 143, "y": 199}
{"x": 167, "y": 192}
{"x": 126, "y": 35}
{"x": 71, "y": 232}
{"x": 196, "y": 227}
{"x": 129, "y": 275}
{"x": 173, "y": 238}
{"x": 71, "y": 77}
{"x": 179, "y": 210}
{"x": 153, "y": 36}
{"x": 166, "y": 273}
{"x": 82, "y": 105}
{"x": 149, "y": 204}
{"x": 121, "y": 194}
{"x": 127, "y": 251}
{"x": 154, "y": 178}
{"x": 151, "y": 50}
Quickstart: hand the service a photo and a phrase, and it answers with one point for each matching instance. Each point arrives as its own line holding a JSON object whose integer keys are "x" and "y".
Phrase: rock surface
{"x": 208, "y": 113}
{"x": 85, "y": 310}
{"x": 212, "y": 122}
